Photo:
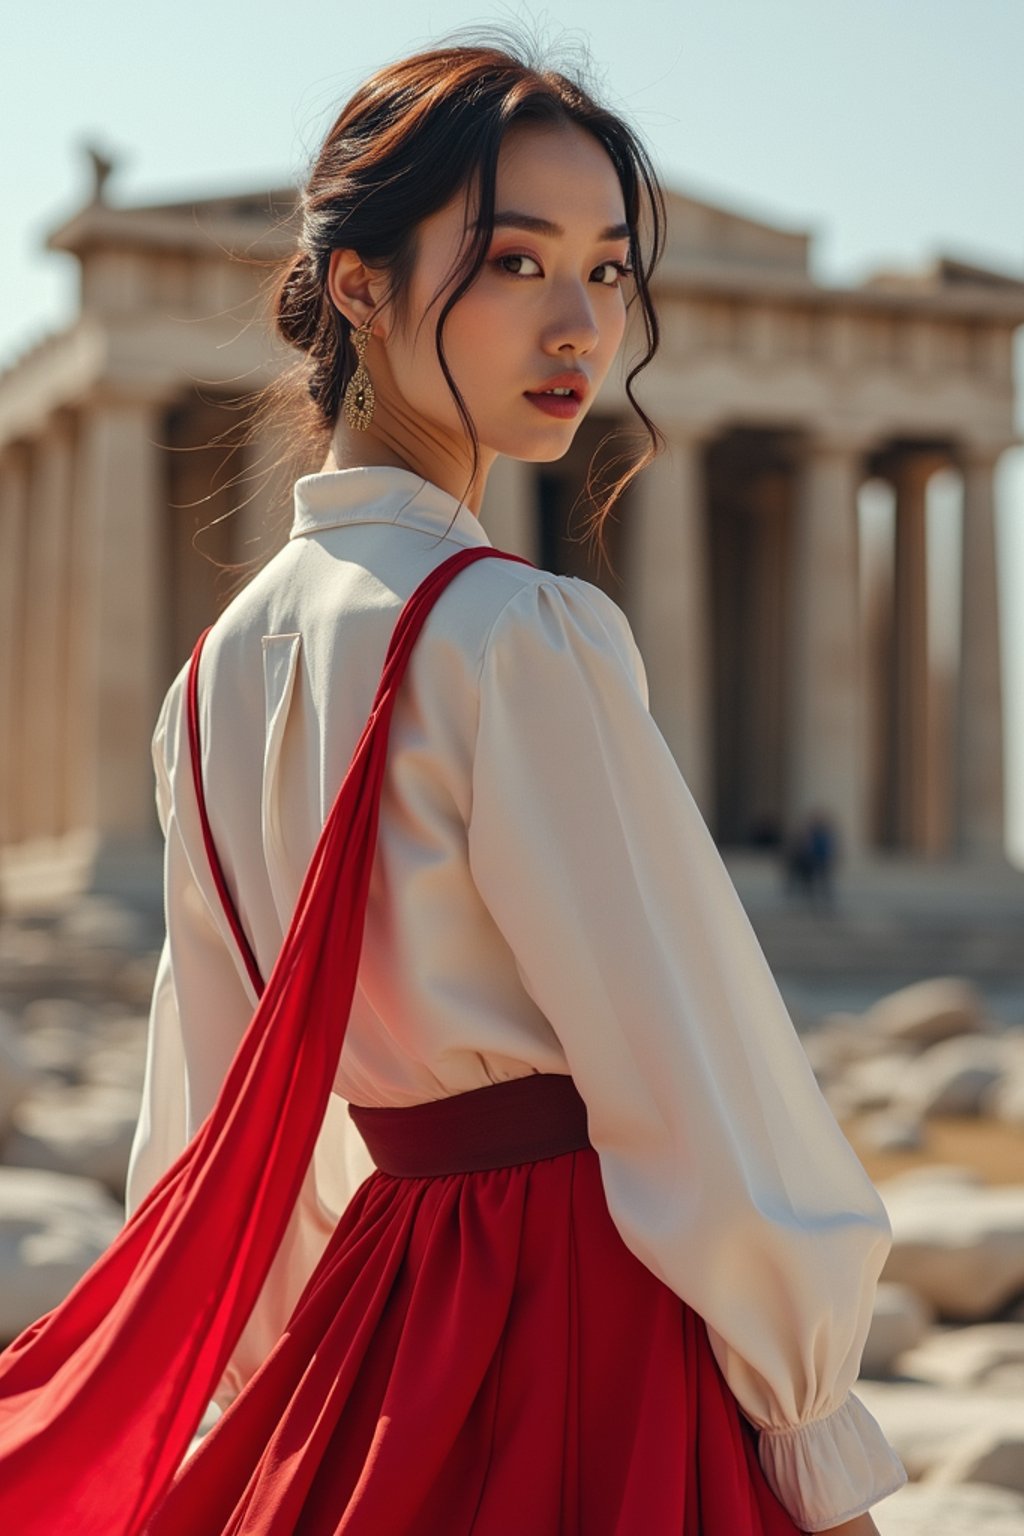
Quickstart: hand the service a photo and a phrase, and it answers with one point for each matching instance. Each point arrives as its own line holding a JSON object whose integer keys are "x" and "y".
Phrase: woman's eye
{"x": 618, "y": 270}
{"x": 517, "y": 270}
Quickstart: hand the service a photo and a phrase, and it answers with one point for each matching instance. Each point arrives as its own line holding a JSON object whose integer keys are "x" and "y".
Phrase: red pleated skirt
{"x": 480, "y": 1354}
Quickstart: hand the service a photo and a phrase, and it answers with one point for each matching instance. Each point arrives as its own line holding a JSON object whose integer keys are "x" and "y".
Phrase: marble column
{"x": 46, "y": 631}
{"x": 878, "y": 509}
{"x": 509, "y": 513}
{"x": 120, "y": 512}
{"x": 910, "y": 767}
{"x": 669, "y": 584}
{"x": 827, "y": 767}
{"x": 771, "y": 496}
{"x": 978, "y": 753}
{"x": 14, "y": 482}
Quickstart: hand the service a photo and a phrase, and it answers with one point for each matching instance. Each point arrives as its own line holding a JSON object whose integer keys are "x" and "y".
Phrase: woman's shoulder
{"x": 512, "y": 612}
{"x": 545, "y": 619}
{"x": 503, "y": 594}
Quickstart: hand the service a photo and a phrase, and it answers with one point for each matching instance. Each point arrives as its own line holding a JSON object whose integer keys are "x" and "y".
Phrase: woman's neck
{"x": 350, "y": 449}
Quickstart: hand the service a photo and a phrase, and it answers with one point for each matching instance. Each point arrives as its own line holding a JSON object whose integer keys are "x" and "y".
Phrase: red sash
{"x": 100, "y": 1398}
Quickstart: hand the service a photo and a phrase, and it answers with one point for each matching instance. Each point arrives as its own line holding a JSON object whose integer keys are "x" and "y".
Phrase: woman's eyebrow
{"x": 538, "y": 226}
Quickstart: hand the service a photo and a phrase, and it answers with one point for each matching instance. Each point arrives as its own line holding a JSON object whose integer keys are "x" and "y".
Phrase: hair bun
{"x": 299, "y": 302}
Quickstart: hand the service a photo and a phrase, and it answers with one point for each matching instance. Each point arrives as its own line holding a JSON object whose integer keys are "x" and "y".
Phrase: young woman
{"x": 580, "y": 1249}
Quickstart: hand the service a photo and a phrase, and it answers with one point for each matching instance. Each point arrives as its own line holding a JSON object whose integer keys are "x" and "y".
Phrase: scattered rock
{"x": 927, "y": 1011}
{"x": 88, "y": 1131}
{"x": 56, "y": 1033}
{"x": 951, "y": 1078}
{"x": 117, "y": 1066}
{"x": 840, "y": 1039}
{"x": 1004, "y": 1100}
{"x": 53, "y": 1227}
{"x": 967, "y": 1357}
{"x": 821, "y": 1051}
{"x": 989, "y": 1455}
{"x": 66, "y": 1013}
{"x": 960, "y": 1247}
{"x": 892, "y": 1131}
{"x": 841, "y": 1100}
{"x": 56, "y": 1053}
{"x": 875, "y": 1082}
{"x": 900, "y": 1319}
{"x": 102, "y": 921}
{"x": 926, "y": 1424}
{"x": 133, "y": 980}
{"x": 28, "y": 947}
{"x": 16, "y": 1074}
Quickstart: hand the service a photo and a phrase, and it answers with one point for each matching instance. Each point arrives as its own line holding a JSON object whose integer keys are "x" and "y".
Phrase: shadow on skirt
{"x": 479, "y": 1354}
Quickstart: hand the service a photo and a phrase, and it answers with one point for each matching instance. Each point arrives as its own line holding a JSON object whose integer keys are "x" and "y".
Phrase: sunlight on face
{"x": 549, "y": 302}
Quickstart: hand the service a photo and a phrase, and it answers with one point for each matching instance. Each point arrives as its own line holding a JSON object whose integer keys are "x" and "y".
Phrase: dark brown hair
{"x": 407, "y": 141}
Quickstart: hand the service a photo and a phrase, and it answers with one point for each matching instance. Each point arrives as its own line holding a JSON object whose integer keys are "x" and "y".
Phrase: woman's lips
{"x": 564, "y": 406}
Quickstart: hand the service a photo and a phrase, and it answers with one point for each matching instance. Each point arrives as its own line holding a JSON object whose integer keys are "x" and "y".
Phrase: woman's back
{"x": 287, "y": 681}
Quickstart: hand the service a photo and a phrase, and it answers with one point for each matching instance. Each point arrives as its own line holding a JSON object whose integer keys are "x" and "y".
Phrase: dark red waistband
{"x": 517, "y": 1121}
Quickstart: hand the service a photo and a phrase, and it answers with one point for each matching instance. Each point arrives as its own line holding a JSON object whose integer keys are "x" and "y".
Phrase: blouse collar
{"x": 381, "y": 493}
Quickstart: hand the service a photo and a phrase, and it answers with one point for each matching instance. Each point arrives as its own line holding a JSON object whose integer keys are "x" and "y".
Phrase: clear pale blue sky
{"x": 892, "y": 129}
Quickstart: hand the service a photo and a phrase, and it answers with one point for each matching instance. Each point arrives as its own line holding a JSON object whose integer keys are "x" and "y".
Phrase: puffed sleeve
{"x": 725, "y": 1171}
{"x": 201, "y": 1007}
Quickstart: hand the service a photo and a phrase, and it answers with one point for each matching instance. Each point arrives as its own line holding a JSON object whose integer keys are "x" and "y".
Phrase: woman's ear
{"x": 353, "y": 287}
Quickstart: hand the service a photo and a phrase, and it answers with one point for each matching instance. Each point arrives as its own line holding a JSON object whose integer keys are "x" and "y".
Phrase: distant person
{"x": 809, "y": 859}
{"x": 796, "y": 863}
{"x": 822, "y": 852}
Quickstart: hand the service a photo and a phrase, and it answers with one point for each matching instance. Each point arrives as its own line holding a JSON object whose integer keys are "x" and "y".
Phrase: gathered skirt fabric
{"x": 479, "y": 1354}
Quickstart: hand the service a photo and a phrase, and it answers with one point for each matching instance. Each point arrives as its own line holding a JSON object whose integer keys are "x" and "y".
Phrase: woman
{"x": 610, "y": 1266}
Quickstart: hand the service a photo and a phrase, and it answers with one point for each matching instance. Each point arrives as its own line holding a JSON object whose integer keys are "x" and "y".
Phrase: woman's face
{"x": 548, "y": 307}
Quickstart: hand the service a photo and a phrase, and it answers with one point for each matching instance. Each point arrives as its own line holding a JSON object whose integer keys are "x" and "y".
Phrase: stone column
{"x": 14, "y": 479}
{"x": 978, "y": 754}
{"x": 669, "y": 585}
{"x": 509, "y": 512}
{"x": 910, "y": 768}
{"x": 47, "y": 648}
{"x": 771, "y": 493}
{"x": 877, "y": 611}
{"x": 120, "y": 516}
{"x": 827, "y": 749}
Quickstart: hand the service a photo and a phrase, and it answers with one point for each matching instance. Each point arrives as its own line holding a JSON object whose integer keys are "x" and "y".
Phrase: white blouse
{"x": 546, "y": 897}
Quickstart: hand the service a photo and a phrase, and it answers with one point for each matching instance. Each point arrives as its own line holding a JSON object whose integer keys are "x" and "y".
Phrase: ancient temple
{"x": 789, "y": 672}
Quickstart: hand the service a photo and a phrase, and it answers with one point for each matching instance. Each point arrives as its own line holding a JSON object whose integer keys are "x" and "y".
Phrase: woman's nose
{"x": 572, "y": 323}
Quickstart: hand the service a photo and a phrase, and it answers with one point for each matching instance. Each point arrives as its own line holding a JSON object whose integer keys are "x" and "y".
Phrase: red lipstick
{"x": 563, "y": 405}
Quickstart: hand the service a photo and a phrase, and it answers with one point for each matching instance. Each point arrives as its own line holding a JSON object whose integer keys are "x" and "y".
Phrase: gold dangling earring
{"x": 359, "y": 399}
